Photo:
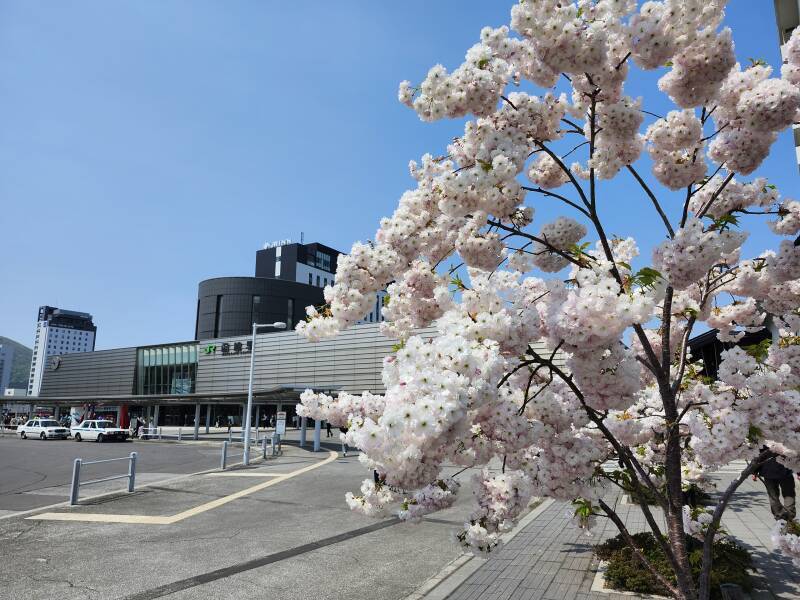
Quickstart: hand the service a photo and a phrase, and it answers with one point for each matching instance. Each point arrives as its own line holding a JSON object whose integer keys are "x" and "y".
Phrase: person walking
{"x": 328, "y": 432}
{"x": 779, "y": 481}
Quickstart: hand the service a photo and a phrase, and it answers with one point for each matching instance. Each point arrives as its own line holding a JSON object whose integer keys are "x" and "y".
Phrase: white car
{"x": 98, "y": 431}
{"x": 43, "y": 429}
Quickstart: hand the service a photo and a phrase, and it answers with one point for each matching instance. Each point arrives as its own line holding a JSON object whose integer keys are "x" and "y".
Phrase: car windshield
{"x": 49, "y": 424}
{"x": 104, "y": 424}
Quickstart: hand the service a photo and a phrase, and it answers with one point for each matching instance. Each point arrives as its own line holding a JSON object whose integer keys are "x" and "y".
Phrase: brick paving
{"x": 550, "y": 559}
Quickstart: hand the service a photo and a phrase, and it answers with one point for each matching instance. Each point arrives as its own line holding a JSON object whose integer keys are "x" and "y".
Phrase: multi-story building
{"x": 58, "y": 332}
{"x": 15, "y": 363}
{"x": 312, "y": 264}
{"x": 787, "y": 15}
{"x": 288, "y": 277}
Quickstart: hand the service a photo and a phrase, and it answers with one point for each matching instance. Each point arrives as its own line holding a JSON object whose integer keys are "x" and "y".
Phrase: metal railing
{"x": 76, "y": 475}
{"x": 149, "y": 433}
{"x": 273, "y": 442}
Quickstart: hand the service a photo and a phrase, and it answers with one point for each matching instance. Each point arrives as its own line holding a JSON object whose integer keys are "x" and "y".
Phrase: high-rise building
{"x": 15, "y": 362}
{"x": 58, "y": 331}
{"x": 787, "y": 15}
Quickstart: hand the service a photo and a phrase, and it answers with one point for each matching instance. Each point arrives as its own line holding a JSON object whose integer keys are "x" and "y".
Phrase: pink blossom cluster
{"x": 594, "y": 313}
{"x": 675, "y": 141}
{"x": 617, "y": 140}
{"x": 433, "y": 497}
{"x": 785, "y": 542}
{"x": 500, "y": 499}
{"x": 696, "y": 522}
{"x": 735, "y": 319}
{"x": 547, "y": 173}
{"x": 660, "y": 29}
{"x": 693, "y": 251}
{"x": 751, "y": 109}
{"x": 561, "y": 234}
{"x": 415, "y": 301}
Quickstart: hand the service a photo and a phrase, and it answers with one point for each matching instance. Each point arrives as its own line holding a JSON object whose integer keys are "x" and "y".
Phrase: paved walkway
{"x": 550, "y": 559}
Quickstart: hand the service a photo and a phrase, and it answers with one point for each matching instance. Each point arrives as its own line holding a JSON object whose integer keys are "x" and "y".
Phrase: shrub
{"x": 625, "y": 572}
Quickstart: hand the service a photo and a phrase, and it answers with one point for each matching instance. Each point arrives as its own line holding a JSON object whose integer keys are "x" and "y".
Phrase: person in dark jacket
{"x": 779, "y": 481}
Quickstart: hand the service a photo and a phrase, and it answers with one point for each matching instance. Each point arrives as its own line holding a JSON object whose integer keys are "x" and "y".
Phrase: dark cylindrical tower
{"x": 228, "y": 306}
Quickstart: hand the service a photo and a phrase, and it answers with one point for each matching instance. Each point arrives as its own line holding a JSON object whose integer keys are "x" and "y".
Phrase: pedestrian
{"x": 328, "y": 431}
{"x": 779, "y": 481}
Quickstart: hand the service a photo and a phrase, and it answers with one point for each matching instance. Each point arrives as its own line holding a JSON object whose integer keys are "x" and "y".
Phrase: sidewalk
{"x": 550, "y": 559}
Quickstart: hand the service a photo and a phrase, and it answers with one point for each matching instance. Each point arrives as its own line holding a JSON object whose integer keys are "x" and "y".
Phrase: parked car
{"x": 43, "y": 429}
{"x": 99, "y": 431}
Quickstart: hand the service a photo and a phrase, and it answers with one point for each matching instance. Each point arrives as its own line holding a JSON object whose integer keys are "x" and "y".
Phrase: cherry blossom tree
{"x": 555, "y": 358}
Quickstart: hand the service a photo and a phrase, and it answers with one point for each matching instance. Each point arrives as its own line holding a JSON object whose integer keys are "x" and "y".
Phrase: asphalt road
{"x": 36, "y": 473}
{"x": 293, "y": 540}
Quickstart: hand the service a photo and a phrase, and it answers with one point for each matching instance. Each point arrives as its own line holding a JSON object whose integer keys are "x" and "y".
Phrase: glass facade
{"x": 162, "y": 370}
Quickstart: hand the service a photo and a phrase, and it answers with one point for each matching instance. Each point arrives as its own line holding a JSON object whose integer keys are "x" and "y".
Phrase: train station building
{"x": 205, "y": 382}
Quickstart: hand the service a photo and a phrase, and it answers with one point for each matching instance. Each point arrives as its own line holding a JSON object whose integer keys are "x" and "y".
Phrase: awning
{"x": 264, "y": 395}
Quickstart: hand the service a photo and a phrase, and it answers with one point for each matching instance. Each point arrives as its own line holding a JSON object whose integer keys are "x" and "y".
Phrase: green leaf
{"x": 754, "y": 434}
{"x": 646, "y": 277}
{"x": 399, "y": 346}
{"x": 386, "y": 300}
{"x": 760, "y": 350}
{"x": 725, "y": 221}
{"x": 669, "y": 63}
{"x": 482, "y": 63}
{"x": 580, "y": 12}
{"x": 624, "y": 265}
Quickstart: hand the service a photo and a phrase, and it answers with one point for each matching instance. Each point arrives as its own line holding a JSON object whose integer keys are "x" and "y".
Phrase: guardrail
{"x": 274, "y": 444}
{"x": 76, "y": 475}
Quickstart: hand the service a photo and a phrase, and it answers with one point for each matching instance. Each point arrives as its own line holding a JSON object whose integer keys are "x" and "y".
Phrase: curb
{"x": 457, "y": 571}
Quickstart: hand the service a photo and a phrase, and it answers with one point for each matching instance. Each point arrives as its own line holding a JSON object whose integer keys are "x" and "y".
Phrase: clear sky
{"x": 146, "y": 145}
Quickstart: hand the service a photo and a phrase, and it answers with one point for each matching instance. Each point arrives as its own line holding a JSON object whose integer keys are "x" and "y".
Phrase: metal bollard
{"x": 264, "y": 448}
{"x": 179, "y": 433}
{"x": 76, "y": 482}
{"x": 132, "y": 471}
{"x": 230, "y": 433}
{"x": 224, "y": 455}
{"x": 276, "y": 444}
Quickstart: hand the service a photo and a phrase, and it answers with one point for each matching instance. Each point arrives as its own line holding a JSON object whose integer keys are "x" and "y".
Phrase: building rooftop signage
{"x": 275, "y": 244}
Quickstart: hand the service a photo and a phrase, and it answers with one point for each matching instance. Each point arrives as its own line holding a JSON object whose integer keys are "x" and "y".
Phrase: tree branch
{"x": 653, "y": 198}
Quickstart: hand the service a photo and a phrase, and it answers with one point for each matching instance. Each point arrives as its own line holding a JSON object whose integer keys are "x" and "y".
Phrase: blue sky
{"x": 146, "y": 145}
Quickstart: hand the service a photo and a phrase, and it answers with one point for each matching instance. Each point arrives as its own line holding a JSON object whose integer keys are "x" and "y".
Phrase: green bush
{"x": 624, "y": 572}
{"x": 692, "y": 496}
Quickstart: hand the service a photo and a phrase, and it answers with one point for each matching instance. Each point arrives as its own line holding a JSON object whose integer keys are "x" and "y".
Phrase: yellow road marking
{"x": 245, "y": 474}
{"x": 169, "y": 520}
{"x": 103, "y": 518}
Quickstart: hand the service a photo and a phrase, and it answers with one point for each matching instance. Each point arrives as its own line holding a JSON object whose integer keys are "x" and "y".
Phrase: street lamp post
{"x": 256, "y": 326}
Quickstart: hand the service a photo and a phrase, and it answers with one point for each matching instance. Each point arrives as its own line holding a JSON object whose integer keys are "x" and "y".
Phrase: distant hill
{"x": 21, "y": 365}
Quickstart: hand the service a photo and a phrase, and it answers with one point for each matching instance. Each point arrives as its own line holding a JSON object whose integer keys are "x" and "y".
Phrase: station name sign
{"x": 227, "y": 348}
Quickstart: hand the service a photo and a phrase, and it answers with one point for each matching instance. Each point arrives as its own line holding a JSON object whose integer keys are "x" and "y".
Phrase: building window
{"x": 217, "y": 316}
{"x": 290, "y": 314}
{"x": 326, "y": 281}
{"x": 310, "y": 280}
{"x": 317, "y": 280}
{"x": 370, "y": 317}
{"x": 323, "y": 261}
